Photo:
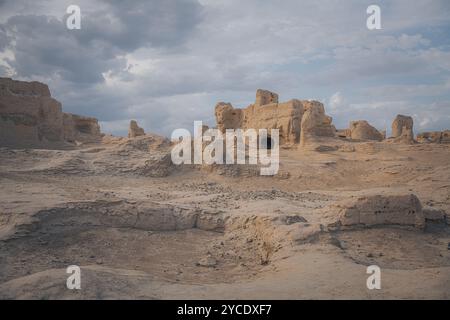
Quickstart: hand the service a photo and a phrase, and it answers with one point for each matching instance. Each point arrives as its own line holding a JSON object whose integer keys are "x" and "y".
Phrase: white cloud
{"x": 302, "y": 49}
{"x": 336, "y": 102}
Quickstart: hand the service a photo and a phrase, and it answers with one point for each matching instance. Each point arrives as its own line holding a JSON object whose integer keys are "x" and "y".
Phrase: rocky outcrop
{"x": 434, "y": 215}
{"x": 315, "y": 123}
{"x": 362, "y": 130}
{"x": 376, "y": 210}
{"x": 134, "y": 130}
{"x": 268, "y": 113}
{"x": 228, "y": 117}
{"x": 434, "y": 137}
{"x": 406, "y": 137}
{"x": 284, "y": 116}
{"x": 80, "y": 128}
{"x": 400, "y": 124}
{"x": 265, "y": 97}
{"x": 10, "y": 87}
{"x": 31, "y": 118}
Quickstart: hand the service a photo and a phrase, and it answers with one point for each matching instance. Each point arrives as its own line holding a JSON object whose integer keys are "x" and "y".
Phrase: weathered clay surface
{"x": 403, "y": 210}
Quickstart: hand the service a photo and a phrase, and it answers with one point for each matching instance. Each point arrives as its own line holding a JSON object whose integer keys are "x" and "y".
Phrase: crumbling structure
{"x": 401, "y": 124}
{"x": 30, "y": 117}
{"x": 268, "y": 113}
{"x": 362, "y": 130}
{"x": 315, "y": 123}
{"x": 434, "y": 137}
{"x": 402, "y": 129}
{"x": 134, "y": 130}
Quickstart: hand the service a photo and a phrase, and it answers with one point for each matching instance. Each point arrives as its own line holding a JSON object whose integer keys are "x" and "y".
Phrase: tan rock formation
{"x": 406, "y": 137}
{"x": 402, "y": 210}
{"x": 31, "y": 118}
{"x": 315, "y": 123}
{"x": 265, "y": 97}
{"x": 399, "y": 123}
{"x": 134, "y": 130}
{"x": 9, "y": 86}
{"x": 228, "y": 117}
{"x": 362, "y": 130}
{"x": 80, "y": 128}
{"x": 283, "y": 116}
{"x": 268, "y": 113}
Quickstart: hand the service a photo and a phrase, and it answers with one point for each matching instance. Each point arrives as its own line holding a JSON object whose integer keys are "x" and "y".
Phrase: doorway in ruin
{"x": 266, "y": 143}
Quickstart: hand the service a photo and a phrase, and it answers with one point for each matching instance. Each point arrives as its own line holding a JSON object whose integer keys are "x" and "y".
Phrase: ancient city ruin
{"x": 300, "y": 121}
{"x": 31, "y": 117}
{"x": 343, "y": 199}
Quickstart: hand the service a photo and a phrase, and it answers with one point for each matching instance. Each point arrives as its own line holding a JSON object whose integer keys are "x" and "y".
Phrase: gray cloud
{"x": 167, "y": 62}
{"x": 43, "y": 46}
{"x": 130, "y": 25}
{"x": 5, "y": 40}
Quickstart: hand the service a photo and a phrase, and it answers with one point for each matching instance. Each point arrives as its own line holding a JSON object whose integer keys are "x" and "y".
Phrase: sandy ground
{"x": 141, "y": 228}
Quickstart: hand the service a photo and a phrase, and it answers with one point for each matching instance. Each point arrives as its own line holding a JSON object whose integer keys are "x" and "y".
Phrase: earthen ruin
{"x": 401, "y": 125}
{"x": 134, "y": 130}
{"x": 362, "y": 130}
{"x": 30, "y": 117}
{"x": 142, "y": 227}
{"x": 268, "y": 113}
{"x": 434, "y": 137}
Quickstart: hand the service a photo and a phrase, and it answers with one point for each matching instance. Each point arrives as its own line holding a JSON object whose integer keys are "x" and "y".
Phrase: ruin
{"x": 80, "y": 128}
{"x": 398, "y": 210}
{"x": 134, "y": 130}
{"x": 268, "y": 113}
{"x": 434, "y": 137}
{"x": 400, "y": 124}
{"x": 362, "y": 130}
{"x": 304, "y": 121}
{"x": 31, "y": 117}
{"x": 406, "y": 136}
{"x": 315, "y": 123}
{"x": 123, "y": 210}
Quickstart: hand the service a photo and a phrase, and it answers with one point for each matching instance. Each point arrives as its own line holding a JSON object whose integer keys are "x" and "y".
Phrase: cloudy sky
{"x": 167, "y": 63}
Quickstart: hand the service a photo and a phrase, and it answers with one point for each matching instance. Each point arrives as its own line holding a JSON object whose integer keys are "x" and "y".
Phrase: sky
{"x": 166, "y": 63}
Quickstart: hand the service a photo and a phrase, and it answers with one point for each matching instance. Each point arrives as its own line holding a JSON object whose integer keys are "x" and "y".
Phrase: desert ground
{"x": 142, "y": 228}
